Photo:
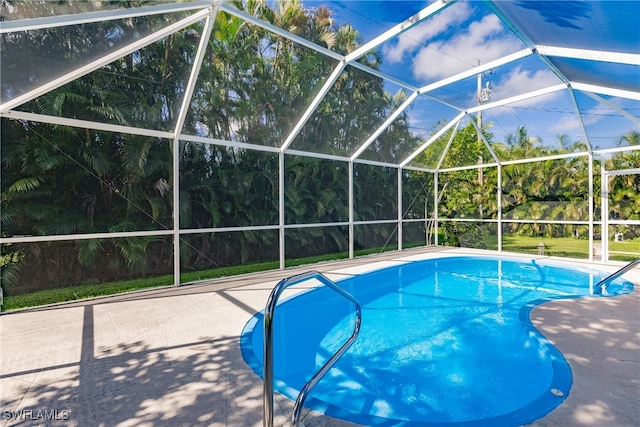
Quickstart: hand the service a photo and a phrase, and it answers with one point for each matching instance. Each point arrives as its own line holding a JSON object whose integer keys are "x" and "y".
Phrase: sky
{"x": 468, "y": 33}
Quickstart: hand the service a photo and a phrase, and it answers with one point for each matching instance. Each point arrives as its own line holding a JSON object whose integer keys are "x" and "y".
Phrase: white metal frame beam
{"x": 613, "y": 106}
{"x": 350, "y": 205}
{"x": 583, "y": 128}
{"x": 312, "y": 106}
{"x": 113, "y": 56}
{"x": 345, "y": 159}
{"x": 477, "y": 70}
{"x": 317, "y": 155}
{"x": 385, "y": 125}
{"x": 591, "y": 55}
{"x": 446, "y": 149}
{"x": 84, "y": 124}
{"x": 619, "y": 172}
{"x": 617, "y": 149}
{"x": 470, "y": 167}
{"x": 376, "y": 163}
{"x": 182, "y": 114}
{"x": 279, "y": 31}
{"x": 604, "y": 210}
{"x": 484, "y": 140}
{"x": 383, "y": 76}
{"x": 231, "y": 144}
{"x": 281, "y": 207}
{"x": 87, "y": 236}
{"x": 437, "y": 135}
{"x": 98, "y": 16}
{"x": 518, "y": 98}
{"x": 195, "y": 71}
{"x": 493, "y": 5}
{"x": 622, "y": 93}
{"x": 544, "y": 158}
{"x": 591, "y": 205}
{"x": 396, "y": 30}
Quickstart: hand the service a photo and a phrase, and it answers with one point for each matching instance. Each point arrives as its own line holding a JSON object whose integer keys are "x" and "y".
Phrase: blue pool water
{"x": 445, "y": 341}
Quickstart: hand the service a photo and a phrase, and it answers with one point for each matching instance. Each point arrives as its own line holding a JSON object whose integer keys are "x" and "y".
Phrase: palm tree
{"x": 630, "y": 138}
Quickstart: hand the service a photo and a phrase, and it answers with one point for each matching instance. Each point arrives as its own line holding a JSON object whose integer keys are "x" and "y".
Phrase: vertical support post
{"x": 604, "y": 214}
{"x": 427, "y": 223}
{"x": 400, "y": 209}
{"x": 435, "y": 208}
{"x": 184, "y": 107}
{"x": 499, "y": 195}
{"x": 479, "y": 99}
{"x": 591, "y": 205}
{"x": 281, "y": 237}
{"x": 351, "y": 216}
{"x": 176, "y": 210}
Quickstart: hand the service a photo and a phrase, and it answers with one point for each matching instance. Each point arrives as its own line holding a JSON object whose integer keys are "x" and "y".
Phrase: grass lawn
{"x": 78, "y": 292}
{"x": 72, "y": 293}
{"x": 563, "y": 247}
{"x": 632, "y": 246}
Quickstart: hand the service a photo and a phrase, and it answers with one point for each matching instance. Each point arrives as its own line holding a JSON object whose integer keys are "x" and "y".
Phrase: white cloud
{"x": 565, "y": 123}
{"x": 480, "y": 42}
{"x": 572, "y": 123}
{"x": 417, "y": 36}
{"x": 520, "y": 81}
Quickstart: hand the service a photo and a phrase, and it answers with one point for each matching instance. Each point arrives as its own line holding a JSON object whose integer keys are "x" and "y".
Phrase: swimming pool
{"x": 444, "y": 341}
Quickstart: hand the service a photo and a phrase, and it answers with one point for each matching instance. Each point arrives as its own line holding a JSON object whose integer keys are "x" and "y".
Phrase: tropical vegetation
{"x": 252, "y": 88}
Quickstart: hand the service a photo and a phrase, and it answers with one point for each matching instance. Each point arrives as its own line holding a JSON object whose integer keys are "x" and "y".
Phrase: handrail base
{"x": 600, "y": 288}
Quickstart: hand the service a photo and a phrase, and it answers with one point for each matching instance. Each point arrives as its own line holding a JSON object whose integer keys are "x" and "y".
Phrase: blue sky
{"x": 468, "y": 33}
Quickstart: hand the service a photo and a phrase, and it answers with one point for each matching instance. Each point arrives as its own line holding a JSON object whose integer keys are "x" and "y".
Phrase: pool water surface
{"x": 444, "y": 341}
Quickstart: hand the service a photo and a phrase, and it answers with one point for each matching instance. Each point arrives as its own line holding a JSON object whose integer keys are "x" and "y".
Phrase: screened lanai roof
{"x": 565, "y": 70}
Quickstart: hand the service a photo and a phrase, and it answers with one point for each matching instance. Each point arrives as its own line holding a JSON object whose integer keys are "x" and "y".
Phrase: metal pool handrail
{"x": 597, "y": 289}
{"x": 268, "y": 344}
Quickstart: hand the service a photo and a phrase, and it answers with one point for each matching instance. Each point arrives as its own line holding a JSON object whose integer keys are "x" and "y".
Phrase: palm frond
{"x": 61, "y": 221}
{"x": 134, "y": 153}
{"x": 26, "y": 184}
{"x": 88, "y": 250}
{"x": 11, "y": 264}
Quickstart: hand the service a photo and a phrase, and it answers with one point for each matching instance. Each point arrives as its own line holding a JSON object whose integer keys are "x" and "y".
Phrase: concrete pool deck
{"x": 171, "y": 356}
